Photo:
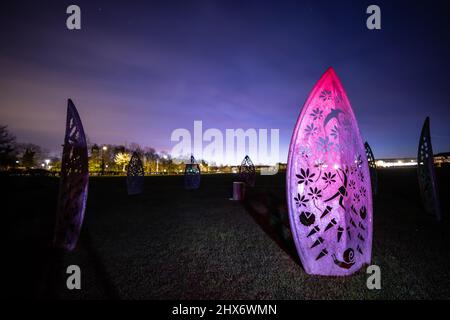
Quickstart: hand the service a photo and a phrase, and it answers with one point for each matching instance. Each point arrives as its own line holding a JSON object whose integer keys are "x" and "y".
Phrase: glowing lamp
{"x": 328, "y": 184}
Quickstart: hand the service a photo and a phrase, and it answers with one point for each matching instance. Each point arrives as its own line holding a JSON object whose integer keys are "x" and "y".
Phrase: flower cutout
{"x": 324, "y": 144}
{"x": 361, "y": 176}
{"x": 363, "y": 191}
{"x": 311, "y": 130}
{"x": 352, "y": 184}
{"x": 356, "y": 197}
{"x": 305, "y": 177}
{"x": 338, "y": 98}
{"x": 305, "y": 152}
{"x": 317, "y": 114}
{"x": 358, "y": 161}
{"x": 301, "y": 200}
{"x": 325, "y": 95}
{"x": 329, "y": 178}
{"x": 334, "y": 132}
{"x": 315, "y": 193}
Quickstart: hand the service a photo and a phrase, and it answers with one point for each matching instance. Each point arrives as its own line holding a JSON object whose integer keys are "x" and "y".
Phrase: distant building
{"x": 442, "y": 159}
{"x": 396, "y": 163}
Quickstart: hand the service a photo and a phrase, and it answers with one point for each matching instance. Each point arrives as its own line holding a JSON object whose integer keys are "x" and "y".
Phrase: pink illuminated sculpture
{"x": 328, "y": 184}
{"x": 73, "y": 188}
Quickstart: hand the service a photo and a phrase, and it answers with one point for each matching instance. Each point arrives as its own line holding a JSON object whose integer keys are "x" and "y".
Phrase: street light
{"x": 104, "y": 148}
{"x": 47, "y": 161}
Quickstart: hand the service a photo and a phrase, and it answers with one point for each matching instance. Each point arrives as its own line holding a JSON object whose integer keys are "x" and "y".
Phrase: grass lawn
{"x": 171, "y": 243}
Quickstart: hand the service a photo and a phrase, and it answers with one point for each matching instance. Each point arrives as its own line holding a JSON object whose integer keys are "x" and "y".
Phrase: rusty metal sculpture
{"x": 135, "y": 175}
{"x": 426, "y": 173}
{"x": 73, "y": 189}
{"x": 247, "y": 172}
{"x": 192, "y": 175}
{"x": 372, "y": 168}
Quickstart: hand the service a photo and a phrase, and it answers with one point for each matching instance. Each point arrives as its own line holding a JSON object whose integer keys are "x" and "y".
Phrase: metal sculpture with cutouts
{"x": 328, "y": 184}
{"x": 73, "y": 188}
{"x": 426, "y": 173}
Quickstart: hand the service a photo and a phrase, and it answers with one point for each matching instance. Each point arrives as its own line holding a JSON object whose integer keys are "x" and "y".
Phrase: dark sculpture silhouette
{"x": 426, "y": 173}
{"x": 192, "y": 175}
{"x": 372, "y": 168}
{"x": 247, "y": 172}
{"x": 73, "y": 189}
{"x": 135, "y": 175}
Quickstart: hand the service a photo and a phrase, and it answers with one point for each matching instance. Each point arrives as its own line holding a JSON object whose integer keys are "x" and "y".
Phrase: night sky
{"x": 140, "y": 69}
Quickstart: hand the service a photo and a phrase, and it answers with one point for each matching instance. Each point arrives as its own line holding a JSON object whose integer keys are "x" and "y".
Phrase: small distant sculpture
{"x": 426, "y": 173}
{"x": 135, "y": 175}
{"x": 372, "y": 168}
{"x": 247, "y": 172}
{"x": 73, "y": 188}
{"x": 192, "y": 175}
{"x": 328, "y": 184}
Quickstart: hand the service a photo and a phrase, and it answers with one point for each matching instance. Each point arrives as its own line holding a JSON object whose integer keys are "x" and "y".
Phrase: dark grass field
{"x": 170, "y": 243}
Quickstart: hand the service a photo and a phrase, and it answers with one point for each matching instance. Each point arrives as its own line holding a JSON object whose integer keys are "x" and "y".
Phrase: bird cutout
{"x": 334, "y": 113}
{"x": 317, "y": 242}
{"x": 326, "y": 211}
{"x": 314, "y": 230}
{"x": 331, "y": 224}
{"x": 322, "y": 254}
{"x": 352, "y": 222}
{"x": 361, "y": 226}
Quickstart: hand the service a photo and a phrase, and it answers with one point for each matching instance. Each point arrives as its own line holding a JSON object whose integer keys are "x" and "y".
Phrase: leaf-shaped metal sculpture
{"x": 247, "y": 172}
{"x": 73, "y": 189}
{"x": 426, "y": 173}
{"x": 328, "y": 184}
{"x": 135, "y": 175}
{"x": 192, "y": 175}
{"x": 372, "y": 168}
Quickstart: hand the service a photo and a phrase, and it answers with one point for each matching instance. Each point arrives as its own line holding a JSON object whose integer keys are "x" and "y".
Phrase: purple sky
{"x": 138, "y": 70}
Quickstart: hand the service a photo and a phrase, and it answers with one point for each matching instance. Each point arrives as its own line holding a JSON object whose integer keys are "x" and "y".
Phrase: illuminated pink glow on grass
{"x": 328, "y": 184}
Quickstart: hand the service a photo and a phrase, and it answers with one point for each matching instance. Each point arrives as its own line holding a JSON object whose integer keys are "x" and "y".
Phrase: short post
{"x": 238, "y": 191}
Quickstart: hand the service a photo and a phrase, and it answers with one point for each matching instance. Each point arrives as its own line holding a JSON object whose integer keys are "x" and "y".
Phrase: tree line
{"x": 103, "y": 159}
